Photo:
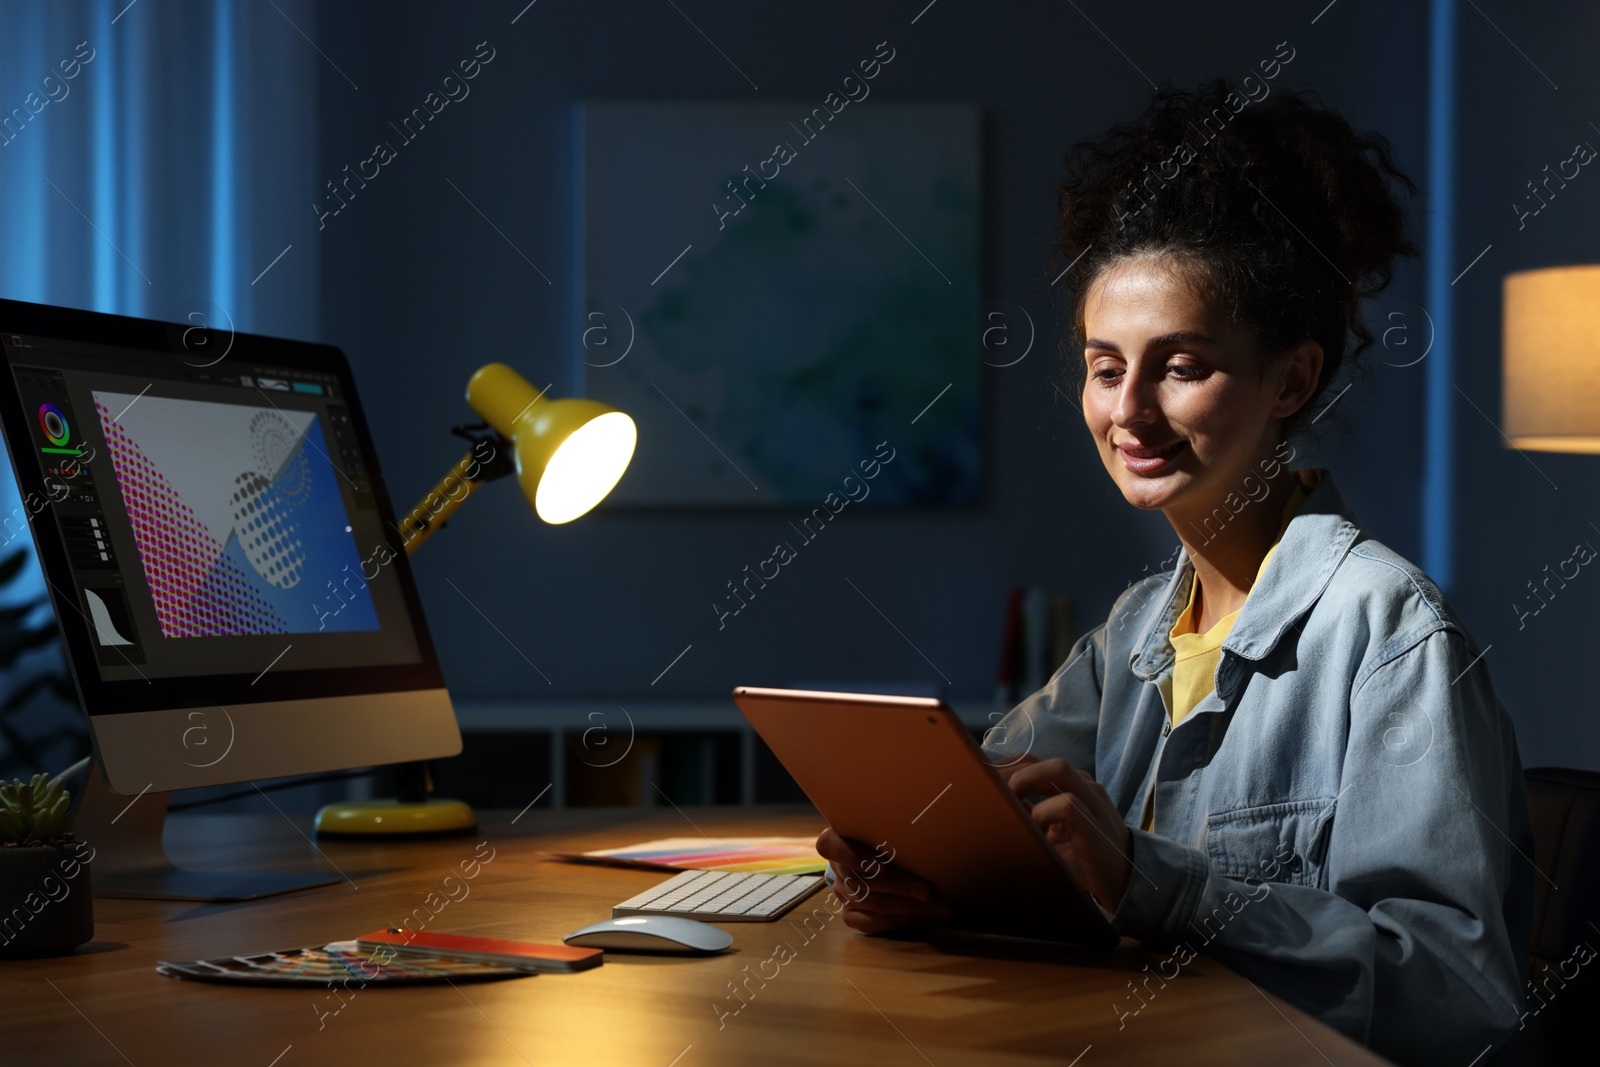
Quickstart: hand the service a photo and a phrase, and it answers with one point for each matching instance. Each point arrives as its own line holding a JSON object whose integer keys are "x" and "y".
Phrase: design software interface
{"x": 213, "y": 517}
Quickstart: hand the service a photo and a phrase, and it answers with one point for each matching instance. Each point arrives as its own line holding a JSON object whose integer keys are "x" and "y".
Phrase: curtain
{"x": 155, "y": 157}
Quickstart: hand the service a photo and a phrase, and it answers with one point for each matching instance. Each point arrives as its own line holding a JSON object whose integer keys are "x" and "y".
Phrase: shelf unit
{"x": 616, "y": 721}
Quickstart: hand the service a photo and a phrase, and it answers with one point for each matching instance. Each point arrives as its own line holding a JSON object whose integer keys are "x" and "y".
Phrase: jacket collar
{"x": 1312, "y": 547}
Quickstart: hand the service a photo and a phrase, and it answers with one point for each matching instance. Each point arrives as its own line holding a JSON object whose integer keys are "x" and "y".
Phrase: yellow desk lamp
{"x": 567, "y": 455}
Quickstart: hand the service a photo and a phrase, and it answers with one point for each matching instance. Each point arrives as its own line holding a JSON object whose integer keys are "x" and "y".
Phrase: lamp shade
{"x": 569, "y": 453}
{"x": 1551, "y": 359}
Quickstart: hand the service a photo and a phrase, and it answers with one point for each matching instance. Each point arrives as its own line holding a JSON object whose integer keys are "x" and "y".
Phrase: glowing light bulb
{"x": 585, "y": 467}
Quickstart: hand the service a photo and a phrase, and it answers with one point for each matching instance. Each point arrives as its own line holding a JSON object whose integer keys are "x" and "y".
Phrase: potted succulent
{"x": 45, "y": 905}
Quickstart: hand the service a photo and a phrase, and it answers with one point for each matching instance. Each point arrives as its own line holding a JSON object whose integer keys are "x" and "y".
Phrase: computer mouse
{"x": 652, "y": 933}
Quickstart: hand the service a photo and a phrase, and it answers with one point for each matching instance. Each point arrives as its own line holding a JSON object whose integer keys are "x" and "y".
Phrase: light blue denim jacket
{"x": 1343, "y": 820}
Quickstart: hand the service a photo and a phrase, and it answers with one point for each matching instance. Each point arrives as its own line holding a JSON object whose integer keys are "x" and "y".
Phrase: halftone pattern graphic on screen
{"x": 198, "y": 591}
{"x": 237, "y": 514}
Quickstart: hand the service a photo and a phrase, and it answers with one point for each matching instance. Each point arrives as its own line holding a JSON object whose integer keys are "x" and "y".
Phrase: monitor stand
{"x": 130, "y": 862}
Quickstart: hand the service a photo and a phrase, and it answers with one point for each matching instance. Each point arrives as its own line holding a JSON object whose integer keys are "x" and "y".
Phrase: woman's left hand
{"x": 1082, "y": 823}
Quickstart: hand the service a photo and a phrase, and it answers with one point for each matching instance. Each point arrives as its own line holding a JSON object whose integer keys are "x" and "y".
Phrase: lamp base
{"x": 389, "y": 819}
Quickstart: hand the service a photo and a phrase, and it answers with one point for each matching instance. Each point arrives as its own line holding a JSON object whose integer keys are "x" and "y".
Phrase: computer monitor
{"x": 223, "y": 560}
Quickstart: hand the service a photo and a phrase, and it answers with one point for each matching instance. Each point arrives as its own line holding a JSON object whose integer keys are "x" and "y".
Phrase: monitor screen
{"x": 217, "y": 519}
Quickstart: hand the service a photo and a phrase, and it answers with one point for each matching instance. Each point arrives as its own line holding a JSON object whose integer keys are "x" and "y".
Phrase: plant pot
{"x": 46, "y": 908}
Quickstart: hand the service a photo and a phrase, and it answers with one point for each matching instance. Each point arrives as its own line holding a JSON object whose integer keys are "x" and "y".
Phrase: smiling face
{"x": 1181, "y": 403}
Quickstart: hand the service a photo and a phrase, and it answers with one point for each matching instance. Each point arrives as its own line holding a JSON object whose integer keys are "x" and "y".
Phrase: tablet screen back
{"x": 903, "y": 774}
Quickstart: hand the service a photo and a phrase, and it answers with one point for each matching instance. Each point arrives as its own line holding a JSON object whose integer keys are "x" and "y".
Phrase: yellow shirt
{"x": 1196, "y": 655}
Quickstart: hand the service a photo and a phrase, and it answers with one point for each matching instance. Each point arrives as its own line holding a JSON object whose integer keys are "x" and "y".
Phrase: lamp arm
{"x": 490, "y": 458}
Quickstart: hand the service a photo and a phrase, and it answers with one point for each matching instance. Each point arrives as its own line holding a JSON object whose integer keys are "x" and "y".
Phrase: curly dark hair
{"x": 1275, "y": 211}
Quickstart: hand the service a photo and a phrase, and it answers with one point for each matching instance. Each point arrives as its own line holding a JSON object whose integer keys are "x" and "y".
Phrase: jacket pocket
{"x": 1284, "y": 843}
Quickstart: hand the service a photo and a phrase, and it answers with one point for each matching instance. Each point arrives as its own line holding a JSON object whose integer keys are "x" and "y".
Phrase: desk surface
{"x": 842, "y": 998}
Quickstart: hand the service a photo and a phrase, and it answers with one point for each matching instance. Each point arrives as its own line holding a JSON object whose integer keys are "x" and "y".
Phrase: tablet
{"x": 903, "y": 774}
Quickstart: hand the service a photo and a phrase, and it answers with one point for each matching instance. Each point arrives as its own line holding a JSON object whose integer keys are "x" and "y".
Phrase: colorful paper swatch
{"x": 340, "y": 961}
{"x": 760, "y": 855}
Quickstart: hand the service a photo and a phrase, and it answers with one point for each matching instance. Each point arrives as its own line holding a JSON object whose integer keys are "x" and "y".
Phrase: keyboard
{"x": 722, "y": 896}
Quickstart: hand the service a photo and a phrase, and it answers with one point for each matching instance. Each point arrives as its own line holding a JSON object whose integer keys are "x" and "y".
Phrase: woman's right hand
{"x": 876, "y": 896}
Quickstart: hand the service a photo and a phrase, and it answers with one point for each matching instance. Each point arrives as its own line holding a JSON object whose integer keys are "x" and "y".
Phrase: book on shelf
{"x": 1036, "y": 637}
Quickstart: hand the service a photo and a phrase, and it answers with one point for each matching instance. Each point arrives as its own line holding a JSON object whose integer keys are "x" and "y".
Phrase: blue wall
{"x": 420, "y": 290}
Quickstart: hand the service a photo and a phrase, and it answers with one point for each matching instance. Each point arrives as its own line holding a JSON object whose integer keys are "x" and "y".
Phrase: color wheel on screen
{"x": 57, "y": 431}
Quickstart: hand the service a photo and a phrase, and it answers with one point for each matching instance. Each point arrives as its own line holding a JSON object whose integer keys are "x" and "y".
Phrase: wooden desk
{"x": 842, "y": 998}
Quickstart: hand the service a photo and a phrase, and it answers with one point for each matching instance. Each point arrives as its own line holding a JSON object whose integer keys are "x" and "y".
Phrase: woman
{"x": 1286, "y": 751}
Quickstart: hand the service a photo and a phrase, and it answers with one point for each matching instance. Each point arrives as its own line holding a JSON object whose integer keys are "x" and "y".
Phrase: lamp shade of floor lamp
{"x": 1551, "y": 359}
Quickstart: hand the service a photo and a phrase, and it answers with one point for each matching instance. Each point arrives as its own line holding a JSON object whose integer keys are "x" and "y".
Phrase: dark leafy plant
{"x": 20, "y": 635}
